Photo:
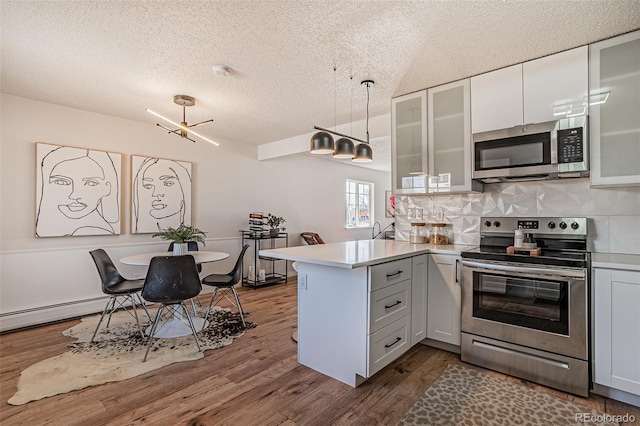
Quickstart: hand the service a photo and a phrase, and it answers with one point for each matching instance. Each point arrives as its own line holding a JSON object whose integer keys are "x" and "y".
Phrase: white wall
{"x": 44, "y": 279}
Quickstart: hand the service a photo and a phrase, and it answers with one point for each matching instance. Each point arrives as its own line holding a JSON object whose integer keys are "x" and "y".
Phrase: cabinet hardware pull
{"x": 397, "y": 340}
{"x": 457, "y": 262}
{"x": 394, "y": 274}
{"x": 391, "y": 306}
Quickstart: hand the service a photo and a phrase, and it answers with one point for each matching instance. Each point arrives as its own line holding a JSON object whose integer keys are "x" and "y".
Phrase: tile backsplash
{"x": 613, "y": 212}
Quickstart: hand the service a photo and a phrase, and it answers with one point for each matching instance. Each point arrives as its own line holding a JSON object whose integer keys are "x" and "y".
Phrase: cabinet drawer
{"x": 385, "y": 274}
{"x": 388, "y": 344}
{"x": 389, "y": 304}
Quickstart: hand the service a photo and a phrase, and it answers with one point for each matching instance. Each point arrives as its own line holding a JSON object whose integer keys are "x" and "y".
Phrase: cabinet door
{"x": 614, "y": 100}
{"x": 556, "y": 86}
{"x": 496, "y": 99}
{"x": 409, "y": 143}
{"x": 444, "y": 293}
{"x": 449, "y": 130}
{"x": 419, "y": 298}
{"x": 616, "y": 334}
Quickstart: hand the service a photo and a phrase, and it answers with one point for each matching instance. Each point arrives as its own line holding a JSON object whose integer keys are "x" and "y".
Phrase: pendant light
{"x": 322, "y": 142}
{"x": 345, "y": 148}
{"x": 364, "y": 153}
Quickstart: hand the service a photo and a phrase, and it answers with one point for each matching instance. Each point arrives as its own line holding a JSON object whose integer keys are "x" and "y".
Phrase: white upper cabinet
{"x": 496, "y": 99}
{"x": 449, "y": 138}
{"x": 409, "y": 142}
{"x": 614, "y": 100}
{"x": 537, "y": 91}
{"x": 556, "y": 86}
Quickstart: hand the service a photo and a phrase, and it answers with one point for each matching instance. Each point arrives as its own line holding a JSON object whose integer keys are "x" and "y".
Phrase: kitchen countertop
{"x": 355, "y": 254}
{"x": 629, "y": 262}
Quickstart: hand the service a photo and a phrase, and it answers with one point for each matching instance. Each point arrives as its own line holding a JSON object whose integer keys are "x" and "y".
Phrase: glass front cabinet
{"x": 614, "y": 107}
{"x": 431, "y": 141}
{"x": 409, "y": 143}
{"x": 449, "y": 138}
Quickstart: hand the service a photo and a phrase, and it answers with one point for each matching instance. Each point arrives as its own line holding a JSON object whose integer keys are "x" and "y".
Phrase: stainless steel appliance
{"x": 551, "y": 150}
{"x": 525, "y": 310}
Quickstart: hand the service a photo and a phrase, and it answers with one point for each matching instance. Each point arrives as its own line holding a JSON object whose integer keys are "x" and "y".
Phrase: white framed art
{"x": 77, "y": 191}
{"x": 160, "y": 194}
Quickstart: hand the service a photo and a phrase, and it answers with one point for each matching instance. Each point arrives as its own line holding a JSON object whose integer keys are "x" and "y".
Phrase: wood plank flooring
{"x": 254, "y": 381}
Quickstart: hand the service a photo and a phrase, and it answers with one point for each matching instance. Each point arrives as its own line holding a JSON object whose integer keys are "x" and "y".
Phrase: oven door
{"x": 540, "y": 308}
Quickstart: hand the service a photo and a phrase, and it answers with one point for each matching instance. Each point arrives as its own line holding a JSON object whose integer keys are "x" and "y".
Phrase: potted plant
{"x": 274, "y": 223}
{"x": 181, "y": 237}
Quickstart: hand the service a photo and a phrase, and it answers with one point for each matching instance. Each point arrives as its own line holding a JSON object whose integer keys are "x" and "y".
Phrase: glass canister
{"x": 418, "y": 234}
{"x": 439, "y": 234}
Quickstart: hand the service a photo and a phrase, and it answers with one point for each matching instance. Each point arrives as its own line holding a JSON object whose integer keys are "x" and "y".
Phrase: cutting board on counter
{"x": 520, "y": 250}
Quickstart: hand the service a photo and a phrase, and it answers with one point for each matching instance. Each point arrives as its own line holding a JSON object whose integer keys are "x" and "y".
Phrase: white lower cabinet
{"x": 616, "y": 322}
{"x": 444, "y": 298}
{"x": 388, "y": 334}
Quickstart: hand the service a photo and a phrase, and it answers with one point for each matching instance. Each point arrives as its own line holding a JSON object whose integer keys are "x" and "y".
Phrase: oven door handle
{"x": 579, "y": 273}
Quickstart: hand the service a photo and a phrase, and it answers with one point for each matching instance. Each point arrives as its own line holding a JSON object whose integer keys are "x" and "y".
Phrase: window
{"x": 359, "y": 204}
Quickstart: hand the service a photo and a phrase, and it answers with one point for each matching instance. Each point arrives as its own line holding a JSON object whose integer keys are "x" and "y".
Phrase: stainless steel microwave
{"x": 551, "y": 150}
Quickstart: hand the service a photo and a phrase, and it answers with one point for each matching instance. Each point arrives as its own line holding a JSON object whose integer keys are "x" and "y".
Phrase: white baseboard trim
{"x": 45, "y": 314}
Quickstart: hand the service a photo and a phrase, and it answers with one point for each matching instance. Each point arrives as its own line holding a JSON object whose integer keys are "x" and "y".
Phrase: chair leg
{"x": 193, "y": 329}
{"x": 143, "y": 305}
{"x": 235, "y": 294}
{"x": 213, "y": 296}
{"x": 153, "y": 331}
{"x": 135, "y": 314}
{"x": 104, "y": 311}
{"x": 193, "y": 306}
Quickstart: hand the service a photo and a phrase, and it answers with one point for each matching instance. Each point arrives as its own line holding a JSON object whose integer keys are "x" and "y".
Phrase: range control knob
{"x": 575, "y": 225}
{"x": 563, "y": 225}
{"x": 487, "y": 223}
{"x": 496, "y": 224}
{"x": 551, "y": 225}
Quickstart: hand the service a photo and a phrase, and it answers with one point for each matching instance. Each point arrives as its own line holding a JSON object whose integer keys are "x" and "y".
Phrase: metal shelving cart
{"x": 270, "y": 265}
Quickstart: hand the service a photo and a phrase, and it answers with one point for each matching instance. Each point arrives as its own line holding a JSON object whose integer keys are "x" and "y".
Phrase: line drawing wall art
{"x": 161, "y": 194}
{"x": 77, "y": 191}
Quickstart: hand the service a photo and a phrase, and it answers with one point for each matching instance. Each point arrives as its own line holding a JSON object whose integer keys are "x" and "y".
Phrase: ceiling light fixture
{"x": 345, "y": 149}
{"x": 322, "y": 142}
{"x": 183, "y": 128}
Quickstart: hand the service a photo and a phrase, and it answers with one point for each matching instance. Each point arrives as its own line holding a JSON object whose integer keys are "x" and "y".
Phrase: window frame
{"x": 357, "y": 194}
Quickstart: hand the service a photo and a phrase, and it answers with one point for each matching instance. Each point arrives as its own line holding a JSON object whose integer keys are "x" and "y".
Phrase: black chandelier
{"x": 322, "y": 142}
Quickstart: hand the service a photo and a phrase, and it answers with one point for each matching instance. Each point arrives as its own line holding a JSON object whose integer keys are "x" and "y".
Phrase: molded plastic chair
{"x": 170, "y": 281}
{"x": 312, "y": 238}
{"x": 227, "y": 282}
{"x": 191, "y": 246}
{"x": 116, "y": 286}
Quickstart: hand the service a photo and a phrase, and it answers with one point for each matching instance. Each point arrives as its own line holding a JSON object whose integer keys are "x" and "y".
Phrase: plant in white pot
{"x": 274, "y": 223}
{"x": 181, "y": 236}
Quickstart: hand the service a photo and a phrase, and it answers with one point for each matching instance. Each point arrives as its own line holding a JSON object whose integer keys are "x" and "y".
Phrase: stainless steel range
{"x": 525, "y": 309}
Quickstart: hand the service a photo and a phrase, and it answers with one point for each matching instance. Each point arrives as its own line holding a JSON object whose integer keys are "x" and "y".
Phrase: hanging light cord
{"x": 367, "y": 112}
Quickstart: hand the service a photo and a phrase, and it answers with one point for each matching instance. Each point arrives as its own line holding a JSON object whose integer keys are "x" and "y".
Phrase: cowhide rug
{"x": 116, "y": 354}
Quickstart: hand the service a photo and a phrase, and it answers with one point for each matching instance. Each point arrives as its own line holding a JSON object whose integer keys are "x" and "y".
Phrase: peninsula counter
{"x": 361, "y": 304}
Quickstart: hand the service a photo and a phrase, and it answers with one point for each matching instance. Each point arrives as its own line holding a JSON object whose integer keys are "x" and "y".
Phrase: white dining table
{"x": 178, "y": 325}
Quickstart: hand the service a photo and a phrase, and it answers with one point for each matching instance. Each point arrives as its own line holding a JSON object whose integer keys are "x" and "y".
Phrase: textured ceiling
{"x": 120, "y": 57}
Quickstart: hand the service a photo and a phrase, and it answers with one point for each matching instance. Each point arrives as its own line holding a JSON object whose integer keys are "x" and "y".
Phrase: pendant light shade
{"x": 321, "y": 143}
{"x": 345, "y": 149}
{"x": 364, "y": 153}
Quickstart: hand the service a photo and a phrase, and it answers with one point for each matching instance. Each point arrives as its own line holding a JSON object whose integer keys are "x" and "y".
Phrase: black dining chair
{"x": 170, "y": 281}
{"x": 191, "y": 246}
{"x": 226, "y": 283}
{"x": 118, "y": 288}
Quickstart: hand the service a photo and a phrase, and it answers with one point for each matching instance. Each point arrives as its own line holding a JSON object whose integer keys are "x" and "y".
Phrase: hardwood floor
{"x": 254, "y": 381}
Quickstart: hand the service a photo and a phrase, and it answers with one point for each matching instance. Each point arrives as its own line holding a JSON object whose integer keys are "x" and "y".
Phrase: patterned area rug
{"x": 116, "y": 354}
{"x": 462, "y": 396}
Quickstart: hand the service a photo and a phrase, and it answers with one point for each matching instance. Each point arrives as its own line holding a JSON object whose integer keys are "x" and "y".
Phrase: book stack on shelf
{"x": 258, "y": 224}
